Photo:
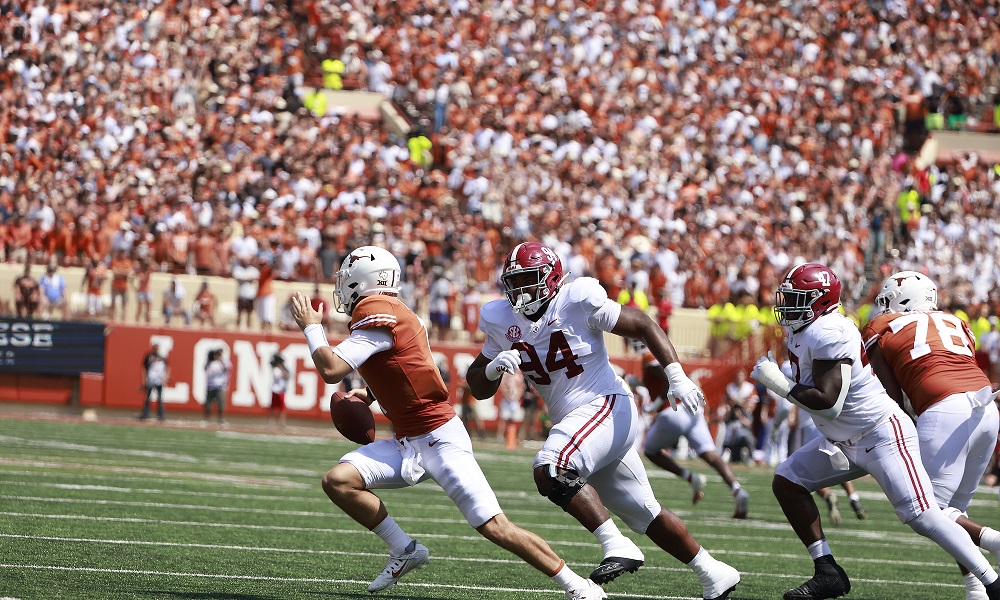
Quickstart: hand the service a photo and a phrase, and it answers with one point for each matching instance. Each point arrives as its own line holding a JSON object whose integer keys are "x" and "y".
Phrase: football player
{"x": 927, "y": 357}
{"x": 806, "y": 431}
{"x": 554, "y": 334}
{"x": 668, "y": 427}
{"x": 864, "y": 431}
{"x": 389, "y": 347}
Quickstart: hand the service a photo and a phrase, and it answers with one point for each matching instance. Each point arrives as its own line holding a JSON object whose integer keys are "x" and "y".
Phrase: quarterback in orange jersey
{"x": 668, "y": 427}
{"x": 927, "y": 357}
{"x": 389, "y": 347}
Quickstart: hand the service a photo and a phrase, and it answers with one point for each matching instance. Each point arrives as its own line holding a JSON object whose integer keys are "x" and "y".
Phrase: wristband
{"x": 674, "y": 373}
{"x": 315, "y": 337}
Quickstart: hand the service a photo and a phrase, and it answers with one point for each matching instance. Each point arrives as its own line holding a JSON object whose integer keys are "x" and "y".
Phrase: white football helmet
{"x": 366, "y": 271}
{"x": 906, "y": 291}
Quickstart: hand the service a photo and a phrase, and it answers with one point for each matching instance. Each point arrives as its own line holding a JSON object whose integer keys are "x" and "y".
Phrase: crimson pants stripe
{"x": 582, "y": 434}
{"x": 911, "y": 469}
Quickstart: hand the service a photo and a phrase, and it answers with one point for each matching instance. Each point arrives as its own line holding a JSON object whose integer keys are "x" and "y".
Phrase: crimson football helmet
{"x": 808, "y": 292}
{"x": 907, "y": 291}
{"x": 532, "y": 274}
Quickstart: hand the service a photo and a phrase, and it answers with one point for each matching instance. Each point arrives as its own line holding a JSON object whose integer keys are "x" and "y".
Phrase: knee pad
{"x": 565, "y": 485}
{"x": 929, "y": 522}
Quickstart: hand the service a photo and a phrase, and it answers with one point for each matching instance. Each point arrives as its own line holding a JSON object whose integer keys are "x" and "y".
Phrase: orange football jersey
{"x": 932, "y": 355}
{"x": 404, "y": 379}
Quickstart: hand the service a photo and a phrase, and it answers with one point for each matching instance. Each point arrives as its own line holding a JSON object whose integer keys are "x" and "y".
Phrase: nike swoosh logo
{"x": 551, "y": 322}
{"x": 797, "y": 345}
{"x": 432, "y": 443}
{"x": 867, "y": 450}
{"x": 397, "y": 574}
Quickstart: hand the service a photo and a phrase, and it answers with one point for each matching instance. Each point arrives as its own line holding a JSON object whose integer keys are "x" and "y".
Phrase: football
{"x": 352, "y": 418}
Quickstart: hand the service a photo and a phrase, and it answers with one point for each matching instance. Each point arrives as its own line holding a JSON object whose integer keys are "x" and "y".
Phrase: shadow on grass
{"x": 386, "y": 595}
{"x": 207, "y": 595}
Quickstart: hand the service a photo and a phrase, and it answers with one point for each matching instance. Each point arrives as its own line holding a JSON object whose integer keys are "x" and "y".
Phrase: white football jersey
{"x": 563, "y": 353}
{"x": 834, "y": 337}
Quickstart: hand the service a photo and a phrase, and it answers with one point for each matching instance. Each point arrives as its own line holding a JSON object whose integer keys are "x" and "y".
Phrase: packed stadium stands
{"x": 696, "y": 149}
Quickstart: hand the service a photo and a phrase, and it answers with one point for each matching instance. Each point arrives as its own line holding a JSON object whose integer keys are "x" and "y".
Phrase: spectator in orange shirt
{"x": 66, "y": 244}
{"x": 143, "y": 295}
{"x": 18, "y": 239}
{"x": 93, "y": 282}
{"x": 121, "y": 271}
{"x": 180, "y": 250}
{"x": 205, "y": 257}
{"x": 265, "y": 296}
{"x": 103, "y": 236}
{"x": 85, "y": 240}
{"x": 204, "y": 306}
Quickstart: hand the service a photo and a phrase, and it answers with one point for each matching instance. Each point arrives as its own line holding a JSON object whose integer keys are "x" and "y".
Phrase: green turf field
{"x": 127, "y": 510}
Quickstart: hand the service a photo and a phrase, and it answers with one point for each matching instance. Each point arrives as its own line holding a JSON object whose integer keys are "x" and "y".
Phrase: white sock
{"x": 854, "y": 497}
{"x": 955, "y": 541}
{"x": 392, "y": 535}
{"x": 686, "y": 475}
{"x": 972, "y": 584}
{"x": 818, "y": 549}
{"x": 567, "y": 579}
{"x": 989, "y": 539}
{"x": 701, "y": 561}
{"x": 613, "y": 543}
{"x": 736, "y": 487}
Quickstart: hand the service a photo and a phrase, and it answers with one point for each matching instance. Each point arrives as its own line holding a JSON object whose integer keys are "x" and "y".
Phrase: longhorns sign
{"x": 186, "y": 352}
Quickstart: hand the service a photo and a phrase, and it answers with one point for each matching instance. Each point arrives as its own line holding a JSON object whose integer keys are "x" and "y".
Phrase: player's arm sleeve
{"x": 362, "y": 344}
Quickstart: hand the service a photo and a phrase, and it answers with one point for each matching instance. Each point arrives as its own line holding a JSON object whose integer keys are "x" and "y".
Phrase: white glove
{"x": 654, "y": 406}
{"x": 769, "y": 373}
{"x": 505, "y": 362}
{"x": 683, "y": 389}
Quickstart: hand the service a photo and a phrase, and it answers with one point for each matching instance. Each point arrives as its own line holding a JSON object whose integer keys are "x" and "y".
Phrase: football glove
{"x": 505, "y": 362}
{"x": 683, "y": 390}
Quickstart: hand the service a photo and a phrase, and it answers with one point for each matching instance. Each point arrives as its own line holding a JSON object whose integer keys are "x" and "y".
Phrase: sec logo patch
{"x": 514, "y": 333}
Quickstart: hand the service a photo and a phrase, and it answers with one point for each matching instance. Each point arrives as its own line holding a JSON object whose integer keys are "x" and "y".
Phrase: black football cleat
{"x": 829, "y": 581}
{"x": 612, "y": 567}
{"x": 993, "y": 590}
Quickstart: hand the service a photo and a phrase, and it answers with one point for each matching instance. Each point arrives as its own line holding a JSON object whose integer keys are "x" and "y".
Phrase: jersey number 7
{"x": 559, "y": 356}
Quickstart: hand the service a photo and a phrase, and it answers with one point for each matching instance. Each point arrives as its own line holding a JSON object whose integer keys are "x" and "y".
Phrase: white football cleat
{"x": 833, "y": 505}
{"x": 742, "y": 498}
{"x": 415, "y": 556}
{"x": 698, "y": 482}
{"x": 719, "y": 582}
{"x": 591, "y": 592}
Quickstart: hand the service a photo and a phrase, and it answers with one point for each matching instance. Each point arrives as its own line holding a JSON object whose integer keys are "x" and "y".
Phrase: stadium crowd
{"x": 681, "y": 150}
